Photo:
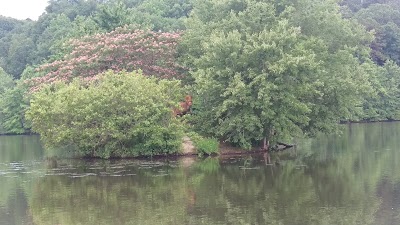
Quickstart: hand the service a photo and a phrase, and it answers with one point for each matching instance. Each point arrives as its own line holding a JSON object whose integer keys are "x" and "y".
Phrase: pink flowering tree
{"x": 154, "y": 53}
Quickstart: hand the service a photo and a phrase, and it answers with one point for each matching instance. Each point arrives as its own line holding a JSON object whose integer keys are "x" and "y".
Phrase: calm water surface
{"x": 349, "y": 179}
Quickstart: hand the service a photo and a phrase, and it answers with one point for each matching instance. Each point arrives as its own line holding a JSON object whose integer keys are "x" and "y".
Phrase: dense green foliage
{"x": 260, "y": 70}
{"x": 264, "y": 68}
{"x": 12, "y": 105}
{"x": 384, "y": 20}
{"x": 6, "y": 81}
{"x": 204, "y": 146}
{"x": 119, "y": 115}
{"x": 385, "y": 104}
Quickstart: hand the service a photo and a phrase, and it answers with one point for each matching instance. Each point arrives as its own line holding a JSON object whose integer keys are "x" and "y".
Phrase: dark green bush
{"x": 118, "y": 115}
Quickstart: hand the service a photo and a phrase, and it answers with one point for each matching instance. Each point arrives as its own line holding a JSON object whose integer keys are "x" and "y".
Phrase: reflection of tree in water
{"x": 337, "y": 185}
{"x": 389, "y": 210}
{"x": 156, "y": 194}
{"x": 334, "y": 181}
{"x": 15, "y": 179}
{"x": 358, "y": 162}
{"x": 16, "y": 204}
{"x": 20, "y": 148}
{"x": 253, "y": 196}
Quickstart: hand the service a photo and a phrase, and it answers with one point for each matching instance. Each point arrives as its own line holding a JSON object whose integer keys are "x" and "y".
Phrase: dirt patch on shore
{"x": 188, "y": 147}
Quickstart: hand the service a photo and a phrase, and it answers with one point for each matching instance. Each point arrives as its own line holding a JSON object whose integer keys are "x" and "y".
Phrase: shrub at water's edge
{"x": 118, "y": 115}
{"x": 203, "y": 145}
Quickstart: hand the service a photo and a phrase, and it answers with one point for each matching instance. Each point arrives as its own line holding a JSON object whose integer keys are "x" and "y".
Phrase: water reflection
{"x": 348, "y": 179}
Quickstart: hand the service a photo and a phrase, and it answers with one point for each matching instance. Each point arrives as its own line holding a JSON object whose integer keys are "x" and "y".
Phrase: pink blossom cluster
{"x": 123, "y": 49}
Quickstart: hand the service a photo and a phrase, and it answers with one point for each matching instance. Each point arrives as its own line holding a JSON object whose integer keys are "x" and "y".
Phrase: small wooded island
{"x": 110, "y": 80}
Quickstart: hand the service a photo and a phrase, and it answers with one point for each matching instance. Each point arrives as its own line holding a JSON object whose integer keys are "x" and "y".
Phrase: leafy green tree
{"x": 157, "y": 15}
{"x": 384, "y": 20}
{"x": 14, "y": 100}
{"x": 51, "y": 43}
{"x": 57, "y": 29}
{"x": 119, "y": 115}
{"x": 162, "y": 15}
{"x": 74, "y": 8}
{"x": 12, "y": 110}
{"x": 384, "y": 104}
{"x": 18, "y": 48}
{"x": 112, "y": 15}
{"x": 31, "y": 42}
{"x": 7, "y": 25}
{"x": 17, "y": 52}
{"x": 6, "y": 83}
{"x": 266, "y": 70}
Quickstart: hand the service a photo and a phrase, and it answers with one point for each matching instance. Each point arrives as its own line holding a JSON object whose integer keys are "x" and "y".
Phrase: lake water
{"x": 352, "y": 178}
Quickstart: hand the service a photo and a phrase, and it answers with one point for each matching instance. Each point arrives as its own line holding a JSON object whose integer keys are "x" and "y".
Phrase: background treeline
{"x": 256, "y": 67}
{"x": 25, "y": 44}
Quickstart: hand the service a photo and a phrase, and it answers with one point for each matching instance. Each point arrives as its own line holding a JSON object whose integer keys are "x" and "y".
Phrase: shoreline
{"x": 224, "y": 150}
{"x": 340, "y": 122}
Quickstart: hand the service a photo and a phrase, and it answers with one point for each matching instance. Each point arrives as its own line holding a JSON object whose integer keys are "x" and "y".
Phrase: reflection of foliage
{"x": 15, "y": 178}
{"x": 208, "y": 165}
{"x": 20, "y": 148}
{"x": 148, "y": 197}
{"x": 7, "y": 188}
{"x": 339, "y": 180}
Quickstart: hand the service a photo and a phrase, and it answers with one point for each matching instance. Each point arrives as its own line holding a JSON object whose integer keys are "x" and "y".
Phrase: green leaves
{"x": 383, "y": 103}
{"x": 260, "y": 70}
{"x": 12, "y": 109}
{"x": 6, "y": 81}
{"x": 119, "y": 115}
{"x": 384, "y": 21}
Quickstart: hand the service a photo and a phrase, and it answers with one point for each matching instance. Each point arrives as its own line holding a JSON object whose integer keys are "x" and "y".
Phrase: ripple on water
{"x": 249, "y": 168}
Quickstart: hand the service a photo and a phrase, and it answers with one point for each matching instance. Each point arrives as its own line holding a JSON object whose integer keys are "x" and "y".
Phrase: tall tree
{"x": 384, "y": 104}
{"x": 112, "y": 15}
{"x": 384, "y": 21}
{"x": 51, "y": 43}
{"x": 7, "y": 25}
{"x": 19, "y": 54}
{"x": 13, "y": 103}
{"x": 266, "y": 70}
{"x": 73, "y": 8}
{"x": 164, "y": 15}
{"x": 6, "y": 83}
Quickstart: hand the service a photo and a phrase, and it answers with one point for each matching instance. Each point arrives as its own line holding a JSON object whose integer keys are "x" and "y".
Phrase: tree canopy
{"x": 274, "y": 68}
